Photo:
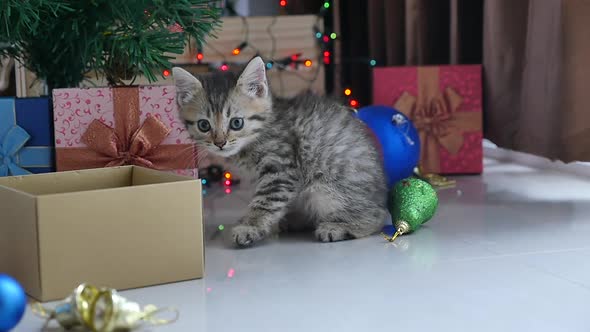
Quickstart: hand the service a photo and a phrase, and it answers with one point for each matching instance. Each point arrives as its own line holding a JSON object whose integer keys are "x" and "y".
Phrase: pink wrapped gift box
{"x": 445, "y": 105}
{"x": 101, "y": 127}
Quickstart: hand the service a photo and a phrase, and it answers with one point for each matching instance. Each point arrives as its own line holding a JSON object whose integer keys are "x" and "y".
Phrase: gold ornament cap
{"x": 402, "y": 227}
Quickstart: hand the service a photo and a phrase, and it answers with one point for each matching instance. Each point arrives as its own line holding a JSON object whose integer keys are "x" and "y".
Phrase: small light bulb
{"x": 204, "y": 181}
{"x": 268, "y": 65}
{"x": 227, "y": 182}
{"x": 221, "y": 227}
{"x": 354, "y": 103}
{"x": 166, "y": 73}
{"x": 326, "y": 39}
{"x": 227, "y": 175}
{"x": 227, "y": 191}
{"x": 200, "y": 56}
{"x": 224, "y": 67}
{"x": 373, "y": 62}
{"x": 333, "y": 35}
{"x": 347, "y": 92}
{"x": 326, "y": 53}
{"x": 283, "y": 3}
{"x": 307, "y": 63}
{"x": 239, "y": 48}
{"x": 326, "y": 5}
{"x": 318, "y": 35}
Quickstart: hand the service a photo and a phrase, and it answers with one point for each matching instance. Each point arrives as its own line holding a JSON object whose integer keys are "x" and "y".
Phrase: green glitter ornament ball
{"x": 412, "y": 202}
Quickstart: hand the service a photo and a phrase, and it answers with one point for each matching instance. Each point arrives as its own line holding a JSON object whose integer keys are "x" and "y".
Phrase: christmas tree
{"x": 18, "y": 17}
{"x": 61, "y": 41}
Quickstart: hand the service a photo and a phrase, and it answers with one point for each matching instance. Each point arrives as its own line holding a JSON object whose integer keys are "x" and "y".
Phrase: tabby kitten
{"x": 313, "y": 157}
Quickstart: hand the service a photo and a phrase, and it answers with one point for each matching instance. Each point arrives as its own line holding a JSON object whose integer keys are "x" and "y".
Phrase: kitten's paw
{"x": 246, "y": 235}
{"x": 331, "y": 232}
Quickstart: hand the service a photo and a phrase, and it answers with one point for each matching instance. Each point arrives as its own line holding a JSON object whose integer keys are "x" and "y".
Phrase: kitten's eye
{"x": 236, "y": 123}
{"x": 203, "y": 125}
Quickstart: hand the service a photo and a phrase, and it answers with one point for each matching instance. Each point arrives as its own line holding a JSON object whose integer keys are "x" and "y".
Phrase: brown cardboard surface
{"x": 63, "y": 182}
{"x": 19, "y": 253}
{"x": 123, "y": 227}
{"x": 143, "y": 176}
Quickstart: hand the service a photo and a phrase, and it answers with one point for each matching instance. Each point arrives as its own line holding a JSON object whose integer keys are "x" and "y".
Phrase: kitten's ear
{"x": 186, "y": 85}
{"x": 252, "y": 81}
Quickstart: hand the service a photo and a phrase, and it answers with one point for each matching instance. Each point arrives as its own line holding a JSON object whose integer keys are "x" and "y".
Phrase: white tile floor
{"x": 507, "y": 251}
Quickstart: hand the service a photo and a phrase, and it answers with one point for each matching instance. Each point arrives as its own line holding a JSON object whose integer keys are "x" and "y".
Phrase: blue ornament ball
{"x": 13, "y": 302}
{"x": 399, "y": 140}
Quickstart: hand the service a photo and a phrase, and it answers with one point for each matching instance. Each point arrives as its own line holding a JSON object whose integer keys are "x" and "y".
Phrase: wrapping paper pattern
{"x": 76, "y": 109}
{"x": 445, "y": 104}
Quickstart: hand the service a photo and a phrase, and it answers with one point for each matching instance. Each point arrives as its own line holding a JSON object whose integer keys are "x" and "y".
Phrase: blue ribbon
{"x": 13, "y": 141}
{"x": 13, "y": 155}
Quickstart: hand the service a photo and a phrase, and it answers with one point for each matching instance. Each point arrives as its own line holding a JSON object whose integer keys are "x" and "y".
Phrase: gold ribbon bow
{"x": 101, "y": 310}
{"x": 434, "y": 113}
{"x": 134, "y": 151}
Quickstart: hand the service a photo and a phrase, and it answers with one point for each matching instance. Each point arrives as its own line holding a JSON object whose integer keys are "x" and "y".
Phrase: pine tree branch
{"x": 62, "y": 40}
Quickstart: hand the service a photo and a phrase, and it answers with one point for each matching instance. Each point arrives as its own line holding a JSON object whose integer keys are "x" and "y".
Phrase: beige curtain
{"x": 537, "y": 76}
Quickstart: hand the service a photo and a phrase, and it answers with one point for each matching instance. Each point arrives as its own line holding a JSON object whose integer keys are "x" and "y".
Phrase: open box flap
{"x": 89, "y": 180}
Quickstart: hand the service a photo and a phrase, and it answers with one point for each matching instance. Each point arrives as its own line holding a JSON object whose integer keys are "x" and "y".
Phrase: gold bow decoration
{"x": 434, "y": 114}
{"x": 437, "y": 181}
{"x": 101, "y": 310}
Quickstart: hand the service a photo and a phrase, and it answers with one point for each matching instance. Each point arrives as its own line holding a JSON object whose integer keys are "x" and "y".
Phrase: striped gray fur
{"x": 316, "y": 162}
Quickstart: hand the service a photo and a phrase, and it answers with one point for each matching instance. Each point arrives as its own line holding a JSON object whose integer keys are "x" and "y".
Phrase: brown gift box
{"x": 121, "y": 227}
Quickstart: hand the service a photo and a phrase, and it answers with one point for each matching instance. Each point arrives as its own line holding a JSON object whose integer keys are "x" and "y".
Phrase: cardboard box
{"x": 120, "y": 227}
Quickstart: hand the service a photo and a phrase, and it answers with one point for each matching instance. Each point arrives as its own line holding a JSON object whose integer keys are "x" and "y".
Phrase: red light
{"x": 294, "y": 57}
{"x": 166, "y": 73}
{"x": 236, "y": 51}
{"x": 354, "y": 103}
{"x": 283, "y": 3}
{"x": 224, "y": 67}
{"x": 227, "y": 182}
{"x": 307, "y": 63}
{"x": 326, "y": 39}
{"x": 327, "y": 60}
{"x": 227, "y": 191}
{"x": 326, "y": 53}
{"x": 231, "y": 273}
{"x": 199, "y": 56}
{"x": 176, "y": 28}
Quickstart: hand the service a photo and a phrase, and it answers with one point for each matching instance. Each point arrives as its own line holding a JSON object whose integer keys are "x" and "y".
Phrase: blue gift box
{"x": 26, "y": 136}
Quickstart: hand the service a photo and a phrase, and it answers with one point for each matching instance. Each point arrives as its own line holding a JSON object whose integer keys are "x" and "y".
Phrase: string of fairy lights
{"x": 293, "y": 61}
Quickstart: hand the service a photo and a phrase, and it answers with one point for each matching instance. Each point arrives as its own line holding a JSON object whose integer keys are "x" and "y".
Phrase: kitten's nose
{"x": 220, "y": 144}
